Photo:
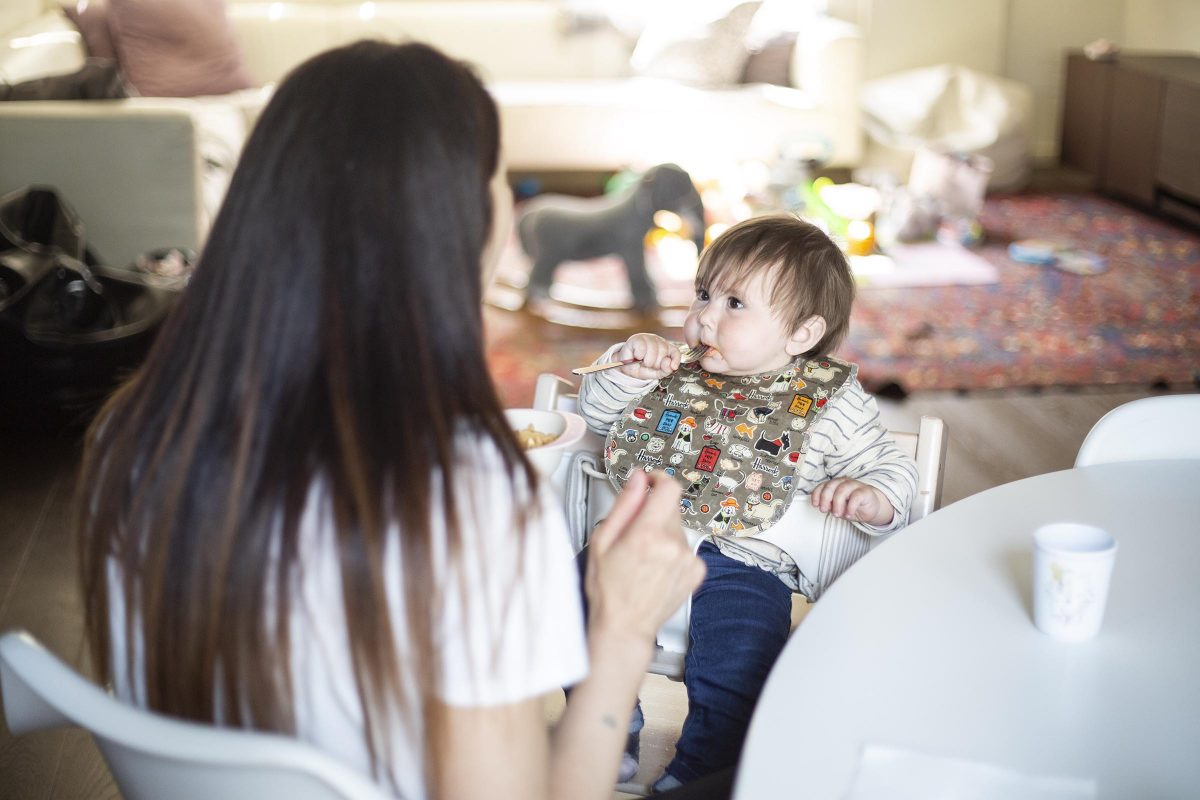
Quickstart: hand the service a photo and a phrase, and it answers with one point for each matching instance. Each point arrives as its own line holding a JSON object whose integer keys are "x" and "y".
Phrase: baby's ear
{"x": 805, "y": 337}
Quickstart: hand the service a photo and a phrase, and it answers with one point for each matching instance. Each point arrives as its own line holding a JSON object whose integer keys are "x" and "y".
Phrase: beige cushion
{"x": 712, "y": 55}
{"x": 48, "y": 45}
{"x": 772, "y": 62}
{"x": 176, "y": 48}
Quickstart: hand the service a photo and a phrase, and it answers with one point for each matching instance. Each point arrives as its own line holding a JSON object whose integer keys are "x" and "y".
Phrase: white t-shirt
{"x": 518, "y": 633}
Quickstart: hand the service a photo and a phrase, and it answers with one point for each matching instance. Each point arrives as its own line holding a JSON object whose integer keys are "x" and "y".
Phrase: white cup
{"x": 1072, "y": 564}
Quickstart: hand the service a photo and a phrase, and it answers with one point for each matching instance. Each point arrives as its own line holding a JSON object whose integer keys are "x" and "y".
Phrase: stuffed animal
{"x": 556, "y": 228}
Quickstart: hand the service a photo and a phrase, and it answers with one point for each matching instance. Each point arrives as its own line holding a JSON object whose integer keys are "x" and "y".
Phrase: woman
{"x": 307, "y": 513}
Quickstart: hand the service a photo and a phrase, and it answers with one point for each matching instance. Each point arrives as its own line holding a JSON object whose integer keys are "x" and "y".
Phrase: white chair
{"x": 589, "y": 489}
{"x": 153, "y": 756}
{"x": 1151, "y": 428}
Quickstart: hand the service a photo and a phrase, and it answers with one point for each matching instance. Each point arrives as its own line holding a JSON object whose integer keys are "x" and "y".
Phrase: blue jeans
{"x": 740, "y": 620}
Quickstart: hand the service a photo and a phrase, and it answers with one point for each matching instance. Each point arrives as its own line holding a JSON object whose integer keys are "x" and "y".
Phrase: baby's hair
{"x": 810, "y": 275}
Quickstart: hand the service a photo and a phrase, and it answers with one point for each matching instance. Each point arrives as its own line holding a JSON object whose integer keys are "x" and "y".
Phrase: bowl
{"x": 567, "y": 428}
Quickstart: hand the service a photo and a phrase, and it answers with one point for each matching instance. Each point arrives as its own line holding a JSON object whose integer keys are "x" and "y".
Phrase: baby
{"x": 787, "y": 472}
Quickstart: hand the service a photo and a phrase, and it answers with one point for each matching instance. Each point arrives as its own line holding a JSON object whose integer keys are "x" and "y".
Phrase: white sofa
{"x": 149, "y": 172}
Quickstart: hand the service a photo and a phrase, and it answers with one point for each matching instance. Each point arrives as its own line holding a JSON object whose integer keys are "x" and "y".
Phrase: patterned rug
{"x": 1136, "y": 323}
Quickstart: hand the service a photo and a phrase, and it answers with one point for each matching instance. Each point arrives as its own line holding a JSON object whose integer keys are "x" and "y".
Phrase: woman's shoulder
{"x": 488, "y": 489}
{"x": 482, "y": 472}
{"x": 476, "y": 450}
{"x": 481, "y": 487}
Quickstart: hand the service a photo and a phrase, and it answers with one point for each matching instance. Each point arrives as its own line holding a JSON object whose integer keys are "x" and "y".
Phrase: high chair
{"x": 589, "y": 496}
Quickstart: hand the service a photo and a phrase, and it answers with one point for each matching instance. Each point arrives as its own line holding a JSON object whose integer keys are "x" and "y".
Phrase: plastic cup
{"x": 1072, "y": 565}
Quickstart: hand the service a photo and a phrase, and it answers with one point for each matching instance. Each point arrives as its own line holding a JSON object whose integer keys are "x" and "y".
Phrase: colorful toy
{"x": 1063, "y": 255}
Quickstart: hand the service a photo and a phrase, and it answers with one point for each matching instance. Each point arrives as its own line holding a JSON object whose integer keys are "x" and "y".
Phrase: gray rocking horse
{"x": 556, "y": 228}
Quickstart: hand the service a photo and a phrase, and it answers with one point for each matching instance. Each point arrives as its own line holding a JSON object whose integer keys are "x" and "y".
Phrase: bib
{"x": 733, "y": 443}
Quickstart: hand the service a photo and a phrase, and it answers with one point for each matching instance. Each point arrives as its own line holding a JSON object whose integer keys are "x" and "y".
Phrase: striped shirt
{"x": 806, "y": 549}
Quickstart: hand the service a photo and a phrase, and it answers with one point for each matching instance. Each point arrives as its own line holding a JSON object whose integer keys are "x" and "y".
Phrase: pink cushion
{"x": 91, "y": 18}
{"x": 176, "y": 48}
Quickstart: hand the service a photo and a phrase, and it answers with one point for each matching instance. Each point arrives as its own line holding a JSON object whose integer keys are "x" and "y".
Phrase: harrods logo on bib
{"x": 733, "y": 443}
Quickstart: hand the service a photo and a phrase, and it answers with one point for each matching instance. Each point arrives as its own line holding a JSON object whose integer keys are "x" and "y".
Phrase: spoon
{"x": 689, "y": 354}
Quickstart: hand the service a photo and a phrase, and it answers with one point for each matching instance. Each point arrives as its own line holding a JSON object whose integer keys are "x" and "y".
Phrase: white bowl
{"x": 568, "y": 429}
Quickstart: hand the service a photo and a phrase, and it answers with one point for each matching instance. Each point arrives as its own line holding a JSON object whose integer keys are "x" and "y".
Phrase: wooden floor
{"x": 39, "y": 593}
{"x": 994, "y": 439}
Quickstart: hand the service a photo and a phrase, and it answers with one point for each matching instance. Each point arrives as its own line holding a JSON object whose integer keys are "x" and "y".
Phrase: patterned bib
{"x": 733, "y": 443}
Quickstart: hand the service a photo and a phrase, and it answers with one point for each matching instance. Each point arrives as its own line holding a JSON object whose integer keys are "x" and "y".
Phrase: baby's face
{"x": 740, "y": 325}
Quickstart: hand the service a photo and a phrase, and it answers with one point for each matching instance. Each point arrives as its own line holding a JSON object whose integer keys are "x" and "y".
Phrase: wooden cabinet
{"x": 1178, "y": 167}
{"x": 1132, "y": 124}
{"x": 1086, "y": 100}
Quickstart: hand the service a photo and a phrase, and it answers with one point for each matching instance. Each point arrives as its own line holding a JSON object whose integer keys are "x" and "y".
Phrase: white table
{"x": 928, "y": 645}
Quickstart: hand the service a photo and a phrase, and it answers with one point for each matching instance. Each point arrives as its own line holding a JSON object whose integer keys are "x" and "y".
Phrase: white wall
{"x": 1038, "y": 35}
{"x": 902, "y": 34}
{"x": 1162, "y": 25}
{"x": 14, "y": 13}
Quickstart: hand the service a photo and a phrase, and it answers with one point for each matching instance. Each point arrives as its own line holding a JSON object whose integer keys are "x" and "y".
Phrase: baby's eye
{"x": 735, "y": 303}
{"x": 702, "y": 295}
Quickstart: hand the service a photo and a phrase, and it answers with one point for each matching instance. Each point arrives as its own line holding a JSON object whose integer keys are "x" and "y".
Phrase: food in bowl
{"x": 530, "y": 437}
{"x": 536, "y": 428}
{"x": 545, "y": 436}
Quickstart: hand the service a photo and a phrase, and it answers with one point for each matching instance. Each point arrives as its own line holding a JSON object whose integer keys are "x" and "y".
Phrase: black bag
{"x": 70, "y": 328}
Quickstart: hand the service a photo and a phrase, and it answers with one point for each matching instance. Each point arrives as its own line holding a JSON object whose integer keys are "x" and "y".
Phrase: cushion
{"x": 91, "y": 18}
{"x": 714, "y": 54}
{"x": 99, "y": 79}
{"x": 176, "y": 48}
{"x": 772, "y": 62}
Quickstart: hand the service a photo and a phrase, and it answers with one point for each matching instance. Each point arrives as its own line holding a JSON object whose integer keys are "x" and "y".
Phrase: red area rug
{"x": 1137, "y": 323}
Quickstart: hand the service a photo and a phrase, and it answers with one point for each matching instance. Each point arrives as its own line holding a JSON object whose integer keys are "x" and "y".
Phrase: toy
{"x": 556, "y": 228}
{"x": 1061, "y": 254}
{"x": 1034, "y": 251}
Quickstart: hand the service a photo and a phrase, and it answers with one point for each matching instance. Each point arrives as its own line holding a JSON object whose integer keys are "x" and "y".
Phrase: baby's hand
{"x": 853, "y": 500}
{"x": 657, "y": 358}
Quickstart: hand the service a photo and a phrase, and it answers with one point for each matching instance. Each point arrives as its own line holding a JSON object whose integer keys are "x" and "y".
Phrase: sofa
{"x": 149, "y": 172}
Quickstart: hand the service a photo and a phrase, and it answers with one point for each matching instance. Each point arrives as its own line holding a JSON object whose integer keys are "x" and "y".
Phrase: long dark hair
{"x": 331, "y": 333}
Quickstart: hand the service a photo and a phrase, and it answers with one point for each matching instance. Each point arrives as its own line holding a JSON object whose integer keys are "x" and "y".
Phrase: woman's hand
{"x": 657, "y": 358}
{"x": 847, "y": 498}
{"x": 640, "y": 567}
